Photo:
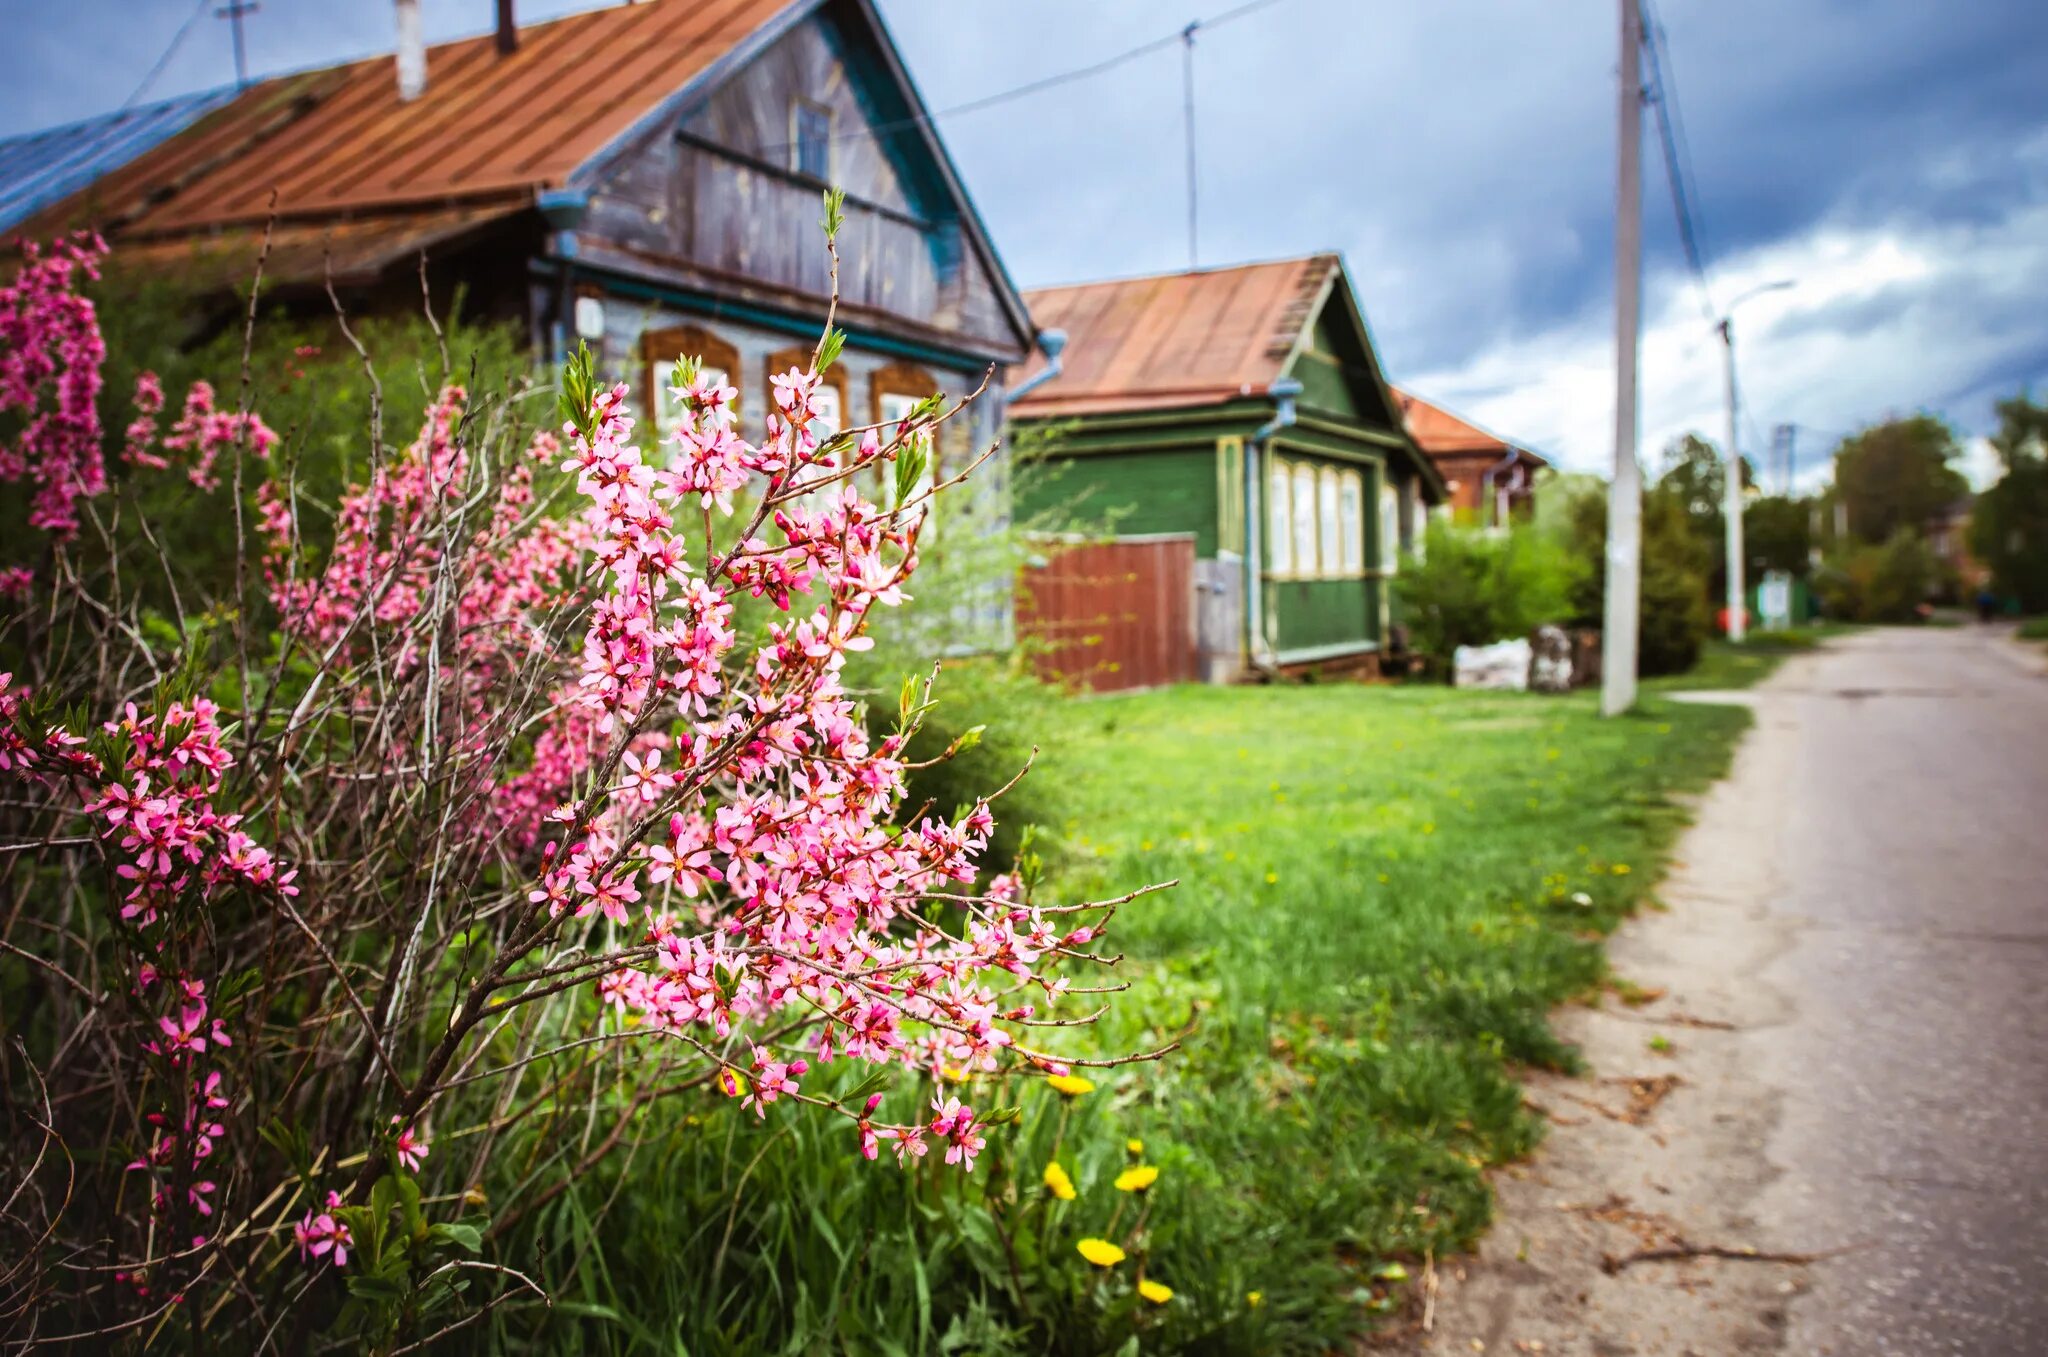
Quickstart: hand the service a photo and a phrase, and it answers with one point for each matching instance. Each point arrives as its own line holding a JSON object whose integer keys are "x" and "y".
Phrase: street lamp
{"x": 1732, "y": 488}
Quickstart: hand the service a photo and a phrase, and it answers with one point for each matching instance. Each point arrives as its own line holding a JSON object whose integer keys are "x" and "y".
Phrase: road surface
{"x": 1845, "y": 1058}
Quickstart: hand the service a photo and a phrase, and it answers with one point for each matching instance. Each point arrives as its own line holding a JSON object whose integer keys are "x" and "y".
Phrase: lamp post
{"x": 1732, "y": 477}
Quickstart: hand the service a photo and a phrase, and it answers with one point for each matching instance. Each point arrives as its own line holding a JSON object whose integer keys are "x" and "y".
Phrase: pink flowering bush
{"x": 378, "y": 856}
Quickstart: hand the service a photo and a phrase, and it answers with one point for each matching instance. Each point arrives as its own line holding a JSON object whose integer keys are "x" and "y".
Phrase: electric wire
{"x": 177, "y": 41}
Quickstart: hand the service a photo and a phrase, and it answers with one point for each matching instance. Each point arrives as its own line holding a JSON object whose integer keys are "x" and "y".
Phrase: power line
{"x": 1185, "y": 33}
{"x": 177, "y": 41}
{"x": 1664, "y": 98}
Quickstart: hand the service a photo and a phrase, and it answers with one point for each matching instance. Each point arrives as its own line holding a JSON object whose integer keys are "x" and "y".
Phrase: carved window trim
{"x": 799, "y": 356}
{"x": 671, "y": 342}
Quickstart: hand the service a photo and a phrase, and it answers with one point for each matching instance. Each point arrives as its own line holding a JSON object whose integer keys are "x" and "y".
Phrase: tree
{"x": 1778, "y": 533}
{"x": 1675, "y": 615}
{"x": 1897, "y": 475}
{"x": 2009, "y": 522}
{"x": 1693, "y": 482}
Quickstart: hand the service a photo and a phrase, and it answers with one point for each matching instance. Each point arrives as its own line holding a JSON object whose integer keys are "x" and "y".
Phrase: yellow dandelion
{"x": 1135, "y": 1146}
{"x": 1137, "y": 1178}
{"x": 1058, "y": 1183}
{"x": 1156, "y": 1292}
{"x": 1255, "y": 1299}
{"x": 1619, "y": 869}
{"x": 1070, "y": 1085}
{"x": 1272, "y": 877}
{"x": 1100, "y": 1252}
{"x": 731, "y": 1082}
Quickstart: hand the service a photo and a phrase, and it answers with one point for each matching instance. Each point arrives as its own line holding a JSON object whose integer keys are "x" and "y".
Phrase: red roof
{"x": 341, "y": 141}
{"x": 1439, "y": 432}
{"x": 1174, "y": 339}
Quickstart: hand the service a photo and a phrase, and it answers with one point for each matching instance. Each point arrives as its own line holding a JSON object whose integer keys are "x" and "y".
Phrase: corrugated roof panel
{"x": 40, "y": 168}
{"x": 1174, "y": 338}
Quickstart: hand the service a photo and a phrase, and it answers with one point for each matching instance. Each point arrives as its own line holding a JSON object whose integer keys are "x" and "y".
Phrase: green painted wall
{"x": 1312, "y": 613}
{"x": 1170, "y": 489}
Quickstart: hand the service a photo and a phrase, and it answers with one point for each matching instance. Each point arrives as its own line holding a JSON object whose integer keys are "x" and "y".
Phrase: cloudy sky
{"x": 1889, "y": 157}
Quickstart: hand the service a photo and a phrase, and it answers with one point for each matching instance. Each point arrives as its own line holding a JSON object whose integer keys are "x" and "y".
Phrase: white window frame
{"x": 1308, "y": 561}
{"x": 1280, "y": 517}
{"x": 1330, "y": 522}
{"x": 1390, "y": 527}
{"x": 1351, "y": 523}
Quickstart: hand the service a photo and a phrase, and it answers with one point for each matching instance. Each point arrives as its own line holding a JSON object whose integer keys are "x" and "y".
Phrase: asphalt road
{"x": 1845, "y": 1055}
{"x": 1914, "y": 1067}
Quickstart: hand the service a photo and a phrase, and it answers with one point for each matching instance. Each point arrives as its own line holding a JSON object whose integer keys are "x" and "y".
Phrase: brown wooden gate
{"x": 1112, "y": 615}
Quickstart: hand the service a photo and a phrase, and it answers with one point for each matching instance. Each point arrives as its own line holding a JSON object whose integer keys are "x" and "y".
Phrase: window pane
{"x": 1326, "y": 516}
{"x": 1306, "y": 560}
{"x": 896, "y": 408}
{"x": 1390, "y": 528}
{"x": 1279, "y": 494}
{"x": 1351, "y": 513}
{"x": 826, "y": 416}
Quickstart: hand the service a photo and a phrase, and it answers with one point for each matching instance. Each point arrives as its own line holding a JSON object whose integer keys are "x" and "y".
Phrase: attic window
{"x": 810, "y": 139}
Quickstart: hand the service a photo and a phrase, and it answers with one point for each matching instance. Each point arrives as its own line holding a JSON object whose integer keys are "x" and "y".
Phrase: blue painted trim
{"x": 697, "y": 303}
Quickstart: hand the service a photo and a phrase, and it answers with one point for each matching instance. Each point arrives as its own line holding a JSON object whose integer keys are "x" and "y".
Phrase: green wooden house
{"x": 1244, "y": 406}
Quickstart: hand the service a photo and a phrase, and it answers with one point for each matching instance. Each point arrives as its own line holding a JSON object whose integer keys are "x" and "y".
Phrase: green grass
{"x": 2034, "y": 629}
{"x": 1383, "y": 893}
{"x": 1724, "y": 665}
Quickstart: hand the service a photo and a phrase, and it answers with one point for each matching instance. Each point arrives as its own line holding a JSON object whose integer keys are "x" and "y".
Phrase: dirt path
{"x": 1849, "y": 985}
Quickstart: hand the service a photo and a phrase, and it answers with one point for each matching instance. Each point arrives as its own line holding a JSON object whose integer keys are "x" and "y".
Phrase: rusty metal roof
{"x": 348, "y": 251}
{"x": 1175, "y": 339}
{"x": 489, "y": 127}
{"x": 41, "y": 168}
{"x": 1438, "y": 432}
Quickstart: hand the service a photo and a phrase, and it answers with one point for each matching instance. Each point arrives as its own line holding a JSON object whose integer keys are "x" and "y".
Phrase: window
{"x": 659, "y": 351}
{"x": 1279, "y": 493}
{"x": 1328, "y": 521}
{"x": 1351, "y": 521}
{"x": 1306, "y": 560}
{"x": 1390, "y": 528}
{"x": 810, "y": 139}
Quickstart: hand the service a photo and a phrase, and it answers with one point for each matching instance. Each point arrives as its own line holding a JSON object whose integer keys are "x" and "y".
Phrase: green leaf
{"x": 1003, "y": 1116}
{"x": 835, "y": 212}
{"x": 910, "y": 464}
{"x": 828, "y": 348}
{"x": 376, "y": 1289}
{"x": 468, "y": 1238}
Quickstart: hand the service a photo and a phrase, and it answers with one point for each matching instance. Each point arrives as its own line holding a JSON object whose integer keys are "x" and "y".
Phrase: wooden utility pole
{"x": 1625, "y": 493}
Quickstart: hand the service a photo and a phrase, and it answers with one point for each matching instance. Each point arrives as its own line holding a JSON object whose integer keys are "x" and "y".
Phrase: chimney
{"x": 508, "y": 29}
{"x": 412, "y": 52}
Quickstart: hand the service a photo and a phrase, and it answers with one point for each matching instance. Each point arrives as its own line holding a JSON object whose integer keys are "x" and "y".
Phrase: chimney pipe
{"x": 412, "y": 52}
{"x": 508, "y": 29}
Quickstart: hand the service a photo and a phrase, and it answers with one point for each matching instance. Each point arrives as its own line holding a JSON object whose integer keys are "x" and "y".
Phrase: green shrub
{"x": 1471, "y": 587}
{"x": 1675, "y": 617}
{"x": 1887, "y": 583}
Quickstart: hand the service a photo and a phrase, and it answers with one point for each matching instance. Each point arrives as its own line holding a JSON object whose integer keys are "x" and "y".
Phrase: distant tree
{"x": 1675, "y": 616}
{"x": 1778, "y": 533}
{"x": 1693, "y": 481}
{"x": 2009, "y": 521}
{"x": 1896, "y": 476}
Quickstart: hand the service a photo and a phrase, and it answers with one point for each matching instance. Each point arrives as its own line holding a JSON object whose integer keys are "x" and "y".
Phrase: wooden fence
{"x": 1112, "y": 615}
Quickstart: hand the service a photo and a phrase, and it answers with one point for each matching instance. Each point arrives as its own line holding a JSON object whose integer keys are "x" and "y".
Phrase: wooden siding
{"x": 1112, "y": 615}
{"x": 1167, "y": 490}
{"x": 1322, "y": 614}
{"x": 714, "y": 199}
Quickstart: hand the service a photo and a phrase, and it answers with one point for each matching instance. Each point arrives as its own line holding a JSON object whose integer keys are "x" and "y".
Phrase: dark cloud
{"x": 1460, "y": 152}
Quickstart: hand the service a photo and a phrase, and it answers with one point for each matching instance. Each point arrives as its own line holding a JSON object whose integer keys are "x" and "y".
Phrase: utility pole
{"x": 233, "y": 11}
{"x": 1625, "y": 493}
{"x": 1187, "y": 71}
{"x": 1731, "y": 496}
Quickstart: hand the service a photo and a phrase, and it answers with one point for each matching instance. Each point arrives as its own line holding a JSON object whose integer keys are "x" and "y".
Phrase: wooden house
{"x": 1243, "y": 407}
{"x": 1490, "y": 481}
{"x": 647, "y": 177}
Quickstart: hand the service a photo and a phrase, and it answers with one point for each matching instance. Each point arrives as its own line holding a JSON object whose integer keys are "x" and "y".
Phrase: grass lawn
{"x": 1384, "y": 890}
{"x": 1724, "y": 665}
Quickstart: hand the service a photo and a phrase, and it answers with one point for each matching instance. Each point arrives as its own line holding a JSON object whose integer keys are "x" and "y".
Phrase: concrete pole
{"x": 1625, "y": 493}
{"x": 1731, "y": 497}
